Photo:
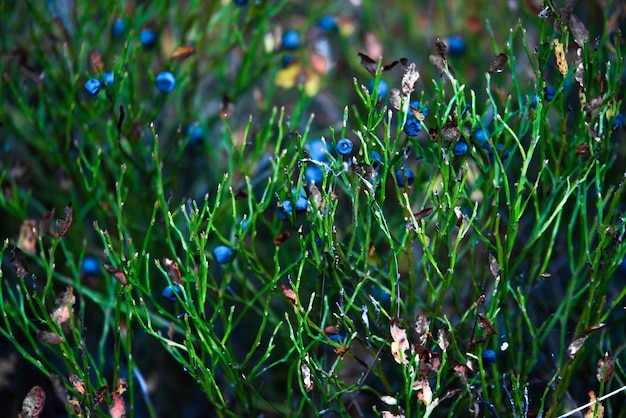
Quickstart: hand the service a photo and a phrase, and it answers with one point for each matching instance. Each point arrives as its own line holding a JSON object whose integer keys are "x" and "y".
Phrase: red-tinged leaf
{"x": 77, "y": 383}
{"x": 604, "y": 368}
{"x": 33, "y": 403}
{"x": 49, "y": 337}
{"x": 75, "y": 408}
{"x": 409, "y": 79}
{"x": 494, "y": 267}
{"x": 305, "y": 372}
{"x": 443, "y": 339}
{"x": 63, "y": 224}
{"x": 373, "y": 46}
{"x": 574, "y": 347}
{"x": 596, "y": 410}
{"x": 425, "y": 394}
{"x": 290, "y": 294}
{"x": 583, "y": 149}
{"x": 63, "y": 303}
{"x": 116, "y": 273}
{"x": 371, "y": 252}
{"x": 95, "y": 58}
{"x": 486, "y": 325}
{"x": 388, "y": 414}
{"x": 183, "y": 52}
{"x": 422, "y": 325}
{"x": 100, "y": 395}
{"x": 399, "y": 344}
{"x": 593, "y": 328}
{"x": 117, "y": 409}
{"x": 170, "y": 331}
{"x": 423, "y": 213}
{"x": 171, "y": 268}
{"x": 121, "y": 386}
{"x": 18, "y": 263}
{"x": 497, "y": 66}
{"x": 281, "y": 238}
{"x": 332, "y": 330}
{"x": 461, "y": 371}
{"x": 241, "y": 195}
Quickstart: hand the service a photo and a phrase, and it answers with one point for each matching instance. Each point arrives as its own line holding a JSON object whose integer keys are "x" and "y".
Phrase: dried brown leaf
{"x": 18, "y": 262}
{"x": 281, "y": 238}
{"x": 399, "y": 344}
{"x": 172, "y": 270}
{"x": 305, "y": 372}
{"x": 423, "y": 213}
{"x": 441, "y": 48}
{"x": 604, "y": 369}
{"x": 409, "y": 79}
{"x": 443, "y": 339}
{"x": 183, "y": 52}
{"x": 494, "y": 267}
{"x": 486, "y": 325}
{"x": 63, "y": 224}
{"x": 78, "y": 384}
{"x": 49, "y": 337}
{"x": 290, "y": 294}
{"x": 100, "y": 395}
{"x": 121, "y": 386}
{"x": 95, "y": 58}
{"x": 573, "y": 348}
{"x": 422, "y": 325}
{"x": 27, "y": 240}
{"x": 395, "y": 98}
{"x": 64, "y": 301}
{"x": 341, "y": 351}
{"x": 116, "y": 273}
{"x": 497, "y": 66}
{"x": 425, "y": 394}
{"x": 388, "y": 414}
{"x": 593, "y": 328}
{"x": 450, "y": 132}
{"x": 227, "y": 107}
{"x": 33, "y": 403}
{"x": 578, "y": 30}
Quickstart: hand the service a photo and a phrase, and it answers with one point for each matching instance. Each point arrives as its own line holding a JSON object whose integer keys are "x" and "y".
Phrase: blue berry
{"x": 344, "y": 146}
{"x": 327, "y": 23}
{"x": 285, "y": 210}
{"x": 92, "y": 86}
{"x": 408, "y": 173}
{"x": 291, "y": 40}
{"x": 314, "y": 174}
{"x": 91, "y": 266}
{"x": 482, "y": 135}
{"x": 240, "y": 3}
{"x": 195, "y": 133}
{"x": 108, "y": 77}
{"x": 118, "y": 27}
{"x": 376, "y": 160}
{"x": 317, "y": 150}
{"x": 170, "y": 292}
{"x": 243, "y": 225}
{"x": 147, "y": 38}
{"x": 318, "y": 241}
{"x": 301, "y": 204}
{"x": 456, "y": 45}
{"x": 380, "y": 295}
{"x": 165, "y": 82}
{"x": 412, "y": 127}
{"x": 383, "y": 88}
{"x": 460, "y": 148}
{"x": 549, "y": 93}
{"x": 489, "y": 357}
{"x": 222, "y": 254}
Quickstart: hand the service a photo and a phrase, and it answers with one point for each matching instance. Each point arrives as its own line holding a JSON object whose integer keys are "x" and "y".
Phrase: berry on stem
{"x": 92, "y": 86}
{"x": 291, "y": 40}
{"x": 165, "y": 82}
{"x": 408, "y": 173}
{"x": 222, "y": 254}
{"x": 344, "y": 146}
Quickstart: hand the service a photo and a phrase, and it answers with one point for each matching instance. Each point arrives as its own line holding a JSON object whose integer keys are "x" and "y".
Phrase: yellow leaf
{"x": 559, "y": 53}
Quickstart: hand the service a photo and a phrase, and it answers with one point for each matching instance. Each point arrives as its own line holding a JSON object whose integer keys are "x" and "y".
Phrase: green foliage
{"x": 377, "y": 298}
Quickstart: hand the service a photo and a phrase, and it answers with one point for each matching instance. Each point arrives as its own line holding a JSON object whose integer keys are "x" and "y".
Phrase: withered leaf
{"x": 116, "y": 273}
{"x": 121, "y": 386}
{"x": 62, "y": 305}
{"x": 583, "y": 149}
{"x": 49, "y": 337}
{"x": 486, "y": 325}
{"x": 422, "y": 325}
{"x": 604, "y": 368}
{"x": 441, "y": 48}
{"x": 573, "y": 348}
{"x": 409, "y": 79}
{"x": 33, "y": 403}
{"x": 443, "y": 339}
{"x": 117, "y": 409}
{"x": 399, "y": 344}
{"x": 95, "y": 58}
{"x": 423, "y": 213}
{"x": 100, "y": 395}
{"x": 316, "y": 196}
{"x": 559, "y": 54}
{"x": 281, "y": 238}
{"x": 63, "y": 224}
{"x": 593, "y": 328}
{"x": 78, "y": 384}
{"x": 183, "y": 52}
{"x": 426, "y": 394}
{"x": 494, "y": 267}
{"x": 29, "y": 232}
{"x": 171, "y": 268}
{"x": 341, "y": 351}
{"x": 306, "y": 374}
{"x": 290, "y": 294}
{"x": 440, "y": 64}
{"x": 371, "y": 252}
{"x": 389, "y": 414}
{"x": 596, "y": 410}
{"x": 371, "y": 65}
{"x": 450, "y": 131}
{"x": 395, "y": 98}
{"x": 578, "y": 30}
{"x": 497, "y": 66}
{"x": 18, "y": 262}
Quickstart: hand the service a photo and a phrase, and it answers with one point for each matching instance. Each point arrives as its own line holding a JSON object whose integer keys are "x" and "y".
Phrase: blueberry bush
{"x": 332, "y": 208}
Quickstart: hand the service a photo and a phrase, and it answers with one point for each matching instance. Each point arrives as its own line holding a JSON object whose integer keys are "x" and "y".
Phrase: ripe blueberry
{"x": 169, "y": 292}
{"x": 460, "y": 148}
{"x": 344, "y": 146}
{"x": 147, "y": 38}
{"x": 410, "y": 177}
{"x": 291, "y": 39}
{"x": 165, "y": 82}
{"x": 222, "y": 254}
{"x": 91, "y": 266}
{"x": 92, "y": 86}
{"x": 489, "y": 357}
